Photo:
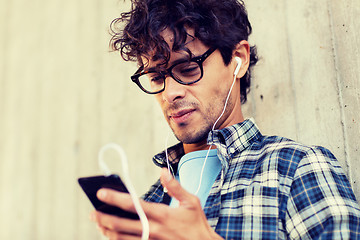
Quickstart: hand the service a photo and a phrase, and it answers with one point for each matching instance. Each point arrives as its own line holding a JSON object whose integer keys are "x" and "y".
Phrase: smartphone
{"x": 91, "y": 185}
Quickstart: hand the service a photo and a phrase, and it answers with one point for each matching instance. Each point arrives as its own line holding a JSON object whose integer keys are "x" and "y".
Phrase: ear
{"x": 242, "y": 50}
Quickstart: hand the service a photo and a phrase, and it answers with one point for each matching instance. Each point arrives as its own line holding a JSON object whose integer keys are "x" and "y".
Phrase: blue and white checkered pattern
{"x": 273, "y": 188}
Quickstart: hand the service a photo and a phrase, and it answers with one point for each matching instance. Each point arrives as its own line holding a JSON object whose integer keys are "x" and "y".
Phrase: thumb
{"x": 174, "y": 188}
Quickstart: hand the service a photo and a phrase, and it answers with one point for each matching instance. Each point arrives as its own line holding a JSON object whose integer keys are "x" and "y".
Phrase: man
{"x": 240, "y": 184}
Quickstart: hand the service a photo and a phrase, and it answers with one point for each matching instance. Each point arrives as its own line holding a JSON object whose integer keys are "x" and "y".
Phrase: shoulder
{"x": 287, "y": 156}
{"x": 308, "y": 173}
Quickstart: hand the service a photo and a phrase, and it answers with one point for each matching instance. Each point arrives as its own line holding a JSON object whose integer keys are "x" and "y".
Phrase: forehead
{"x": 192, "y": 46}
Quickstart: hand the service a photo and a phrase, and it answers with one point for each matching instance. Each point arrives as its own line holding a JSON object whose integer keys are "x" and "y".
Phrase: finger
{"x": 116, "y": 198}
{"x": 124, "y": 201}
{"x": 120, "y": 228}
{"x": 112, "y": 235}
{"x": 175, "y": 190}
{"x": 115, "y": 224}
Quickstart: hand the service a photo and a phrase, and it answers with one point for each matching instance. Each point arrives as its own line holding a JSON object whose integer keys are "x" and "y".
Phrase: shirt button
{"x": 232, "y": 150}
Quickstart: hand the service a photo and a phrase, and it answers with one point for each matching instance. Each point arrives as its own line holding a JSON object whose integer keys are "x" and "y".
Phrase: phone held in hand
{"x": 92, "y": 184}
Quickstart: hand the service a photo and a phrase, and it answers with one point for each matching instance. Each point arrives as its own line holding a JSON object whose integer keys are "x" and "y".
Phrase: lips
{"x": 181, "y": 116}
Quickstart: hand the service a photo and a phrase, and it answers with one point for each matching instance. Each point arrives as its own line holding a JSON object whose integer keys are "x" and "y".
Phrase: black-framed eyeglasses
{"x": 184, "y": 72}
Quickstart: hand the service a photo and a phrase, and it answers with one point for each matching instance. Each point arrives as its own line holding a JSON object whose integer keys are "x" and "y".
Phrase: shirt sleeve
{"x": 321, "y": 201}
{"x": 155, "y": 193}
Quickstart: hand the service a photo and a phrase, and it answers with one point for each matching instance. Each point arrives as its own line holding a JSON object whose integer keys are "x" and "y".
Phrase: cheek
{"x": 161, "y": 103}
{"x": 158, "y": 98}
{"x": 220, "y": 82}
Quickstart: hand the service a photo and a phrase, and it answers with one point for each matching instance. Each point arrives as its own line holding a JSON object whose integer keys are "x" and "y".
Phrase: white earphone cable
{"x": 126, "y": 178}
{"x": 213, "y": 128}
{"x": 127, "y": 182}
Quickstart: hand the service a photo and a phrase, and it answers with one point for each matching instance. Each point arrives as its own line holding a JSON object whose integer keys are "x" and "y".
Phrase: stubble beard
{"x": 194, "y": 135}
{"x": 190, "y": 135}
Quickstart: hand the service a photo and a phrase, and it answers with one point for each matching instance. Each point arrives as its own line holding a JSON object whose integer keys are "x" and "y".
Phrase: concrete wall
{"x": 63, "y": 96}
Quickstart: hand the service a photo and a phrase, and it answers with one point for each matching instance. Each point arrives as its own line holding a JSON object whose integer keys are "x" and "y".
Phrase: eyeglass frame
{"x": 168, "y": 72}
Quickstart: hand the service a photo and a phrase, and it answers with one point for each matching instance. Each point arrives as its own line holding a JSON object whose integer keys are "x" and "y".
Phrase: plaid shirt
{"x": 273, "y": 188}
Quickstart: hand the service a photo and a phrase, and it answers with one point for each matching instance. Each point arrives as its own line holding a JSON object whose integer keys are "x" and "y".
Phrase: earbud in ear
{"x": 238, "y": 60}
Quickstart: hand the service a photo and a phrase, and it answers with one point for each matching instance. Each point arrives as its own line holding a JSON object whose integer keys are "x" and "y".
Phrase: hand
{"x": 188, "y": 221}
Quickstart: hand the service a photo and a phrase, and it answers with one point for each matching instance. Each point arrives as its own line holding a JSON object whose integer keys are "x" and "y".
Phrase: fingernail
{"x": 101, "y": 194}
{"x": 167, "y": 176}
{"x": 92, "y": 217}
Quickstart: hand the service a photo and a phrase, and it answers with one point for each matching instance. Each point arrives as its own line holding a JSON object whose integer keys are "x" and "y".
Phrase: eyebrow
{"x": 177, "y": 61}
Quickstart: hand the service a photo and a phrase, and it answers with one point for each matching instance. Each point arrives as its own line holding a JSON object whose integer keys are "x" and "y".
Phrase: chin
{"x": 192, "y": 137}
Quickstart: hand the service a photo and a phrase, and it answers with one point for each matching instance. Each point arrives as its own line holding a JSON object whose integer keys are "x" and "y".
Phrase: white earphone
{"x": 237, "y": 69}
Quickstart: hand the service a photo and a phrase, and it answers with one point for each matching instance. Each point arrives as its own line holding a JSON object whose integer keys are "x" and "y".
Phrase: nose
{"x": 173, "y": 90}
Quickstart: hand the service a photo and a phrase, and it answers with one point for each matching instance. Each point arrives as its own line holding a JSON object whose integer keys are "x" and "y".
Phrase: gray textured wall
{"x": 63, "y": 96}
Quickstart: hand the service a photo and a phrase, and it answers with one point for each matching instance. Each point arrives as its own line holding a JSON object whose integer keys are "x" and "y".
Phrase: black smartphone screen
{"x": 91, "y": 185}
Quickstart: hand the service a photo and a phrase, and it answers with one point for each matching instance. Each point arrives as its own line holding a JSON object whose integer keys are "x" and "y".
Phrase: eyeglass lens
{"x": 186, "y": 72}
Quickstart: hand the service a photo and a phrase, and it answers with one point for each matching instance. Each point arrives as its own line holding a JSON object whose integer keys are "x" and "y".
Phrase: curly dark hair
{"x": 221, "y": 24}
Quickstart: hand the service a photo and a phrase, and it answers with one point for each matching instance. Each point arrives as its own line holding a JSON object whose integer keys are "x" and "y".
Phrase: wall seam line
{"x": 291, "y": 71}
{"x": 340, "y": 96}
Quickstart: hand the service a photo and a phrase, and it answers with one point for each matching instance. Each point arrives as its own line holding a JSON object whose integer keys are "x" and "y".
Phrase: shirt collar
{"x": 229, "y": 141}
{"x": 234, "y": 139}
{"x": 174, "y": 155}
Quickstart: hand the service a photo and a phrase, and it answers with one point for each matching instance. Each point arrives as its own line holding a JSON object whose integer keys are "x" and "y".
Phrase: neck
{"x": 196, "y": 146}
{"x": 202, "y": 145}
{"x": 235, "y": 116}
